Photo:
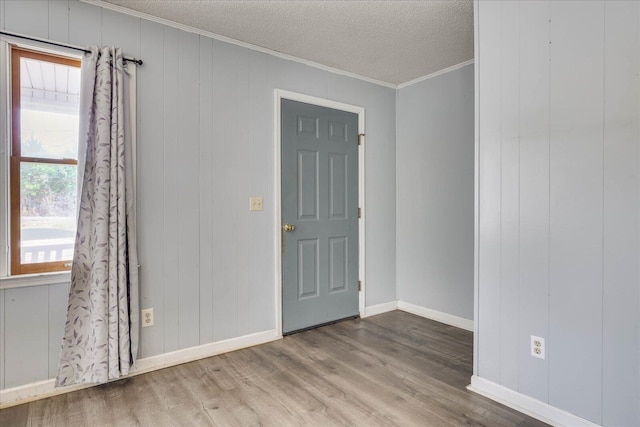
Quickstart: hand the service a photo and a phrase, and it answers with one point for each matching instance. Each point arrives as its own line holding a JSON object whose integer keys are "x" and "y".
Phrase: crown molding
{"x": 436, "y": 74}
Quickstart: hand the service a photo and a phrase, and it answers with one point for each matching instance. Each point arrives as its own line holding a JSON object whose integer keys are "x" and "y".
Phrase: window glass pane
{"x": 47, "y": 212}
{"x": 49, "y": 105}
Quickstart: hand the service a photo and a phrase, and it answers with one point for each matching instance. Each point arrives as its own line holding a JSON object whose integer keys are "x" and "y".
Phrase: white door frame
{"x": 279, "y": 95}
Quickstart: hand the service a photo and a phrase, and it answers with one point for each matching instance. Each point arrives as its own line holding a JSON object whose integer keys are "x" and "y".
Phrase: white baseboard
{"x": 178, "y": 357}
{"x": 448, "y": 319}
{"x": 372, "y": 310}
{"x": 527, "y": 405}
{"x": 42, "y": 389}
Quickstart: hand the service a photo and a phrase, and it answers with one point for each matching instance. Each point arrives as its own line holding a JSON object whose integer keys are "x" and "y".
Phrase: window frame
{"x": 16, "y": 267}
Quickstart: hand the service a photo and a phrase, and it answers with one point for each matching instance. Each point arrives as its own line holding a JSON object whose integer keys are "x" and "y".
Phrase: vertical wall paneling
{"x": 510, "y": 187}
{"x": 85, "y": 24}
{"x": 298, "y": 78}
{"x": 490, "y": 197}
{"x": 343, "y": 89}
{"x": 435, "y": 225}
{"x": 121, "y": 31}
{"x": 2, "y": 2}
{"x": 59, "y": 21}
{"x": 225, "y": 264}
{"x": 171, "y": 208}
{"x": 58, "y": 301}
{"x": 26, "y": 335}
{"x": 533, "y": 294}
{"x": 206, "y": 189}
{"x": 576, "y": 129}
{"x": 188, "y": 188}
{"x": 261, "y": 174}
{"x": 621, "y": 307}
{"x": 241, "y": 160}
{"x": 579, "y": 202}
{"x": 27, "y": 17}
{"x": 406, "y": 115}
{"x": 150, "y": 195}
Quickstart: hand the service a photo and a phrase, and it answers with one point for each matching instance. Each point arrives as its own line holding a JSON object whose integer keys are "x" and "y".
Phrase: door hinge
{"x": 359, "y": 285}
{"x": 360, "y": 138}
{"x": 359, "y": 213}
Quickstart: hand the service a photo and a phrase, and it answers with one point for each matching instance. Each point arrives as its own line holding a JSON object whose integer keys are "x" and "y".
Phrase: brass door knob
{"x": 289, "y": 227}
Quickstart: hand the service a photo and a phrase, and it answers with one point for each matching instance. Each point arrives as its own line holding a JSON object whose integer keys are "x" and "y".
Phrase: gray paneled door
{"x": 319, "y": 215}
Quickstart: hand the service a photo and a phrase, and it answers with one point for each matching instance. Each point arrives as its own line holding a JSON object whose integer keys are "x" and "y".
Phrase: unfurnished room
{"x": 320, "y": 213}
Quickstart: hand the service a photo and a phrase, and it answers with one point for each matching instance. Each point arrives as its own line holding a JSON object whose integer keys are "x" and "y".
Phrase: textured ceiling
{"x": 392, "y": 41}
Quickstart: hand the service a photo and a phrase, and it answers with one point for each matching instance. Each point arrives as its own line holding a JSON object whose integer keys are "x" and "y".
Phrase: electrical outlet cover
{"x": 147, "y": 317}
{"x": 537, "y": 347}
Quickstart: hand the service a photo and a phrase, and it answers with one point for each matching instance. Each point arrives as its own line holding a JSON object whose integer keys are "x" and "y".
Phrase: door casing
{"x": 279, "y": 95}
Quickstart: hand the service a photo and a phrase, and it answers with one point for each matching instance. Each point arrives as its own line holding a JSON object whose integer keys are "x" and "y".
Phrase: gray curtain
{"x": 101, "y": 333}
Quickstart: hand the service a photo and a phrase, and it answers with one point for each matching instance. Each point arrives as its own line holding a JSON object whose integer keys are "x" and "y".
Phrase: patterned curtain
{"x": 101, "y": 333}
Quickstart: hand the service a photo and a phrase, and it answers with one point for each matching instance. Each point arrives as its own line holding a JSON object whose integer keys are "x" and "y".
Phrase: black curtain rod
{"x": 68, "y": 46}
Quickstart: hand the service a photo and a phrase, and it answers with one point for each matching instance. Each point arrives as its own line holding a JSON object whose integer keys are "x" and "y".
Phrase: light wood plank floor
{"x": 393, "y": 369}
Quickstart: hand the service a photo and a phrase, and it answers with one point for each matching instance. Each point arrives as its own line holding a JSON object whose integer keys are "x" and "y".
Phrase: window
{"x": 43, "y": 163}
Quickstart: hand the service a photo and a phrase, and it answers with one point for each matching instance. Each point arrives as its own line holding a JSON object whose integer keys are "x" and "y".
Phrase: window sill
{"x": 26, "y": 280}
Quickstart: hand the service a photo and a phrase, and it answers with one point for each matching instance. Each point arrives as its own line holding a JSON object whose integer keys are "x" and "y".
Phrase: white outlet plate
{"x": 255, "y": 203}
{"x": 537, "y": 347}
{"x": 147, "y": 317}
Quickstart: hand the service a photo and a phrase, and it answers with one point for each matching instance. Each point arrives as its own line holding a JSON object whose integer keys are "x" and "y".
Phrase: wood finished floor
{"x": 394, "y": 369}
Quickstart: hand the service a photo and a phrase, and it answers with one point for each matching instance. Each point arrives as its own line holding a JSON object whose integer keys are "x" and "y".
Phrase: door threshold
{"x": 308, "y": 328}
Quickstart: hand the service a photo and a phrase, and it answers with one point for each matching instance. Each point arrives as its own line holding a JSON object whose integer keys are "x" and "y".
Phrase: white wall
{"x": 559, "y": 198}
{"x": 205, "y": 111}
{"x": 434, "y": 158}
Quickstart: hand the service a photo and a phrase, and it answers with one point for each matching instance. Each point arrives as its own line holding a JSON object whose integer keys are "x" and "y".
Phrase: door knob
{"x": 289, "y": 227}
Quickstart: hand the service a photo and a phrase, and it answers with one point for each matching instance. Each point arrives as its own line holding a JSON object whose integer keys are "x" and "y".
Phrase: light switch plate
{"x": 255, "y": 203}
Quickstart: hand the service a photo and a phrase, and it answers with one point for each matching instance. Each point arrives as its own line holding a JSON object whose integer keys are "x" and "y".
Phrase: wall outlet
{"x": 147, "y": 317}
{"x": 255, "y": 203}
{"x": 537, "y": 347}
